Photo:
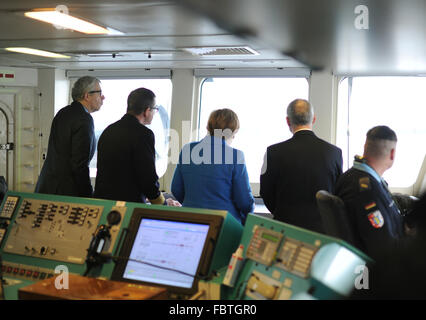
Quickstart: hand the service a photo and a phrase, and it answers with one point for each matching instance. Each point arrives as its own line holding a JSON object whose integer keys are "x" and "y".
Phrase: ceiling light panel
{"x": 66, "y": 21}
{"x": 37, "y": 52}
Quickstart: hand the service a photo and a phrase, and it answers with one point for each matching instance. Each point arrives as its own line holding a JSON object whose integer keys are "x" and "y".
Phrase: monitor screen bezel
{"x": 212, "y": 220}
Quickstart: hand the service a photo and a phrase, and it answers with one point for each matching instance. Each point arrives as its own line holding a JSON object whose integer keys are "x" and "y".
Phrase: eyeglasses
{"x": 154, "y": 108}
{"x": 96, "y": 91}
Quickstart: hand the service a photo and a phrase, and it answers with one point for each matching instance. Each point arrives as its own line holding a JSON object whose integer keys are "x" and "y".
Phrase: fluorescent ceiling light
{"x": 66, "y": 21}
{"x": 37, "y": 52}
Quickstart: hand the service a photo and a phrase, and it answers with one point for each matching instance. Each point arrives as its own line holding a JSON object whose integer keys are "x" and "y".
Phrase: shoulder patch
{"x": 364, "y": 183}
{"x": 376, "y": 219}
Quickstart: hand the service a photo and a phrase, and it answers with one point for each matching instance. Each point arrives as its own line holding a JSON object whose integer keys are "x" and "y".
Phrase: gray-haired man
{"x": 296, "y": 169}
{"x": 72, "y": 143}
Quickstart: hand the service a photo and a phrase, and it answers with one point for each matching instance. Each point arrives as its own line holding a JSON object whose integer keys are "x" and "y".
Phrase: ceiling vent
{"x": 222, "y": 51}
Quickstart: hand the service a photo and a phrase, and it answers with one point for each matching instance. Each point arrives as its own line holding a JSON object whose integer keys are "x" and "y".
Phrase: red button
{"x": 36, "y": 274}
{"x": 16, "y": 270}
{"x": 22, "y": 272}
{"x": 29, "y": 273}
{"x": 9, "y": 270}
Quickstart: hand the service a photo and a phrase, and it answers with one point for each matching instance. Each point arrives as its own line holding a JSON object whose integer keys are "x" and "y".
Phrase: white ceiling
{"x": 287, "y": 33}
{"x": 154, "y": 34}
{"x": 324, "y": 33}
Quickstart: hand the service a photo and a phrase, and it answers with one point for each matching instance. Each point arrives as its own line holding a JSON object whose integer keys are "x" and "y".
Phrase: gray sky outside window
{"x": 261, "y": 106}
{"x": 115, "y": 106}
{"x": 397, "y": 102}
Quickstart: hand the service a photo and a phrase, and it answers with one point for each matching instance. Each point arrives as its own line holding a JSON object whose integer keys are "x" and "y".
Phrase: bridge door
{"x": 6, "y": 138}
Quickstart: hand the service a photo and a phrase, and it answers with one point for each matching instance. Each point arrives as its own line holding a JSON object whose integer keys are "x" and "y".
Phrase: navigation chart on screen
{"x": 168, "y": 244}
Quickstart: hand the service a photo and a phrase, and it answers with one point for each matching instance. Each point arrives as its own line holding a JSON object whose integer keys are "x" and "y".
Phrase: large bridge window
{"x": 115, "y": 106}
{"x": 398, "y": 102}
{"x": 260, "y": 104}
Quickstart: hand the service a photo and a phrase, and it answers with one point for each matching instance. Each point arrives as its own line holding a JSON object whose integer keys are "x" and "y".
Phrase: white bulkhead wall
{"x": 54, "y": 89}
{"x": 19, "y": 97}
{"x": 323, "y": 96}
{"x": 32, "y": 95}
{"x": 54, "y": 94}
{"x": 183, "y": 117}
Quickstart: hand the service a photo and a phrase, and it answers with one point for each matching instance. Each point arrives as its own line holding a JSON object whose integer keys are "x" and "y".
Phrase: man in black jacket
{"x": 126, "y": 154}
{"x": 294, "y": 170}
{"x": 72, "y": 143}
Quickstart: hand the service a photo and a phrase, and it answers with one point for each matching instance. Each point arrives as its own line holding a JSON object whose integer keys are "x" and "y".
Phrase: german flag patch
{"x": 370, "y": 206}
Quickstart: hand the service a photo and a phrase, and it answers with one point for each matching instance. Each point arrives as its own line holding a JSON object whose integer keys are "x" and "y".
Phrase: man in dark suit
{"x": 294, "y": 170}
{"x": 72, "y": 143}
{"x": 126, "y": 154}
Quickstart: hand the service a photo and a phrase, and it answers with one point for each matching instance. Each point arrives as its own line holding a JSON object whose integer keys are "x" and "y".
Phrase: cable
{"x": 198, "y": 295}
{"x": 238, "y": 295}
{"x": 1, "y": 280}
{"x": 87, "y": 271}
{"x": 107, "y": 256}
{"x": 152, "y": 265}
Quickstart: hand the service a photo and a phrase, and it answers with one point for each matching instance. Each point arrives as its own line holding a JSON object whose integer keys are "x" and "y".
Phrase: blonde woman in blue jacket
{"x": 213, "y": 175}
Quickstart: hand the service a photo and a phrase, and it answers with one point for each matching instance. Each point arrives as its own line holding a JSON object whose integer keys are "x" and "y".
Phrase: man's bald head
{"x": 300, "y": 113}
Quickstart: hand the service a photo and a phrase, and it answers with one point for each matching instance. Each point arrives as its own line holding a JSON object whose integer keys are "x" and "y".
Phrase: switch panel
{"x": 264, "y": 245}
{"x": 26, "y": 272}
{"x": 9, "y": 207}
{"x": 296, "y": 257}
{"x": 53, "y": 230}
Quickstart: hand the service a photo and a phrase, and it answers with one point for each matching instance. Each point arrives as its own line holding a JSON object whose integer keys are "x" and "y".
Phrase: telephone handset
{"x": 99, "y": 244}
{"x": 101, "y": 241}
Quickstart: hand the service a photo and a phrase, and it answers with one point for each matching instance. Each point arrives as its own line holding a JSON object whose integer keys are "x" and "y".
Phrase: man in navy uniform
{"x": 376, "y": 219}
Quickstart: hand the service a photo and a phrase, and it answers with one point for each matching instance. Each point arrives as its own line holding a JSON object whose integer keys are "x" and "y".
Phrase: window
{"x": 261, "y": 106}
{"x": 115, "y": 106}
{"x": 397, "y": 102}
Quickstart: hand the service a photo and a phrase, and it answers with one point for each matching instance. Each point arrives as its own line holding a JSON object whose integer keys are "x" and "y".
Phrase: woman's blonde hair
{"x": 223, "y": 122}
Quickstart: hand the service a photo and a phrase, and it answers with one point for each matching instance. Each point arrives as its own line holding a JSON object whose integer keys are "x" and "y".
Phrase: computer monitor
{"x": 168, "y": 249}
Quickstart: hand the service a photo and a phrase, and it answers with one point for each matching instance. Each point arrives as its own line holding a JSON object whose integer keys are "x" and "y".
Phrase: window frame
{"x": 203, "y": 74}
{"x": 142, "y": 74}
{"x": 349, "y": 129}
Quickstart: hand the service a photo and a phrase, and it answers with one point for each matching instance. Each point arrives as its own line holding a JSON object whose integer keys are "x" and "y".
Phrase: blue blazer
{"x": 210, "y": 174}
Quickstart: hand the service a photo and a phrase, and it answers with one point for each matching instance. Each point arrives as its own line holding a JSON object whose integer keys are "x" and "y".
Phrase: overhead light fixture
{"x": 64, "y": 20}
{"x": 37, "y": 52}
